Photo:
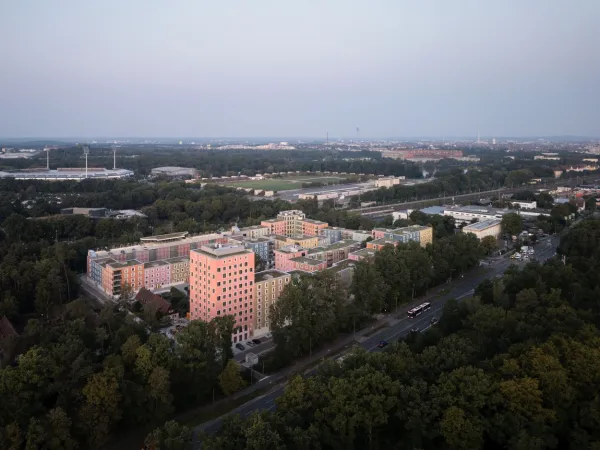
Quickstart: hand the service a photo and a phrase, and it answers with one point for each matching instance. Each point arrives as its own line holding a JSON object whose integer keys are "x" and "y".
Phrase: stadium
{"x": 67, "y": 174}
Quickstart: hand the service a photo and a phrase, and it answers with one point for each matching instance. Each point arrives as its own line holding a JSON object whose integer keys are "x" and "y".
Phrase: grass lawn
{"x": 269, "y": 185}
{"x": 283, "y": 184}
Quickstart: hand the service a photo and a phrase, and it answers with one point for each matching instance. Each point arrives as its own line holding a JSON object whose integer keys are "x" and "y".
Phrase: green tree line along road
{"x": 78, "y": 375}
{"x": 515, "y": 367}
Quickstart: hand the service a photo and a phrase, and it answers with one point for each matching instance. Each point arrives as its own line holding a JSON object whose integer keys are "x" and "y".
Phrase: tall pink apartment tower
{"x": 222, "y": 283}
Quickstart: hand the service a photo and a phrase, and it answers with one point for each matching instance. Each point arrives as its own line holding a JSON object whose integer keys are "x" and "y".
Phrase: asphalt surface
{"x": 400, "y": 327}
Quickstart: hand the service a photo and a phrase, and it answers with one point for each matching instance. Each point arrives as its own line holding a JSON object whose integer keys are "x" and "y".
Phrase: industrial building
{"x": 470, "y": 212}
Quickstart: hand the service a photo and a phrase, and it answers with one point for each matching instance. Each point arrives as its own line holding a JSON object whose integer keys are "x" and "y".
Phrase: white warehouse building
{"x": 470, "y": 212}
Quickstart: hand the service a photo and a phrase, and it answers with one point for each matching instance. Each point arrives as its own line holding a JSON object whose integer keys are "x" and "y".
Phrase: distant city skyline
{"x": 238, "y": 69}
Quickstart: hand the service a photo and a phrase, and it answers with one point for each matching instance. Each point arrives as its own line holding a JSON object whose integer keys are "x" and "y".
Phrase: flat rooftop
{"x": 309, "y": 261}
{"x": 301, "y": 237}
{"x": 411, "y": 228}
{"x": 315, "y": 222}
{"x": 337, "y": 245}
{"x": 253, "y": 227}
{"x": 250, "y": 240}
{"x": 149, "y": 265}
{"x": 151, "y": 245}
{"x": 178, "y": 259}
{"x": 290, "y": 249}
{"x": 122, "y": 264}
{"x": 383, "y": 241}
{"x": 364, "y": 253}
{"x": 222, "y": 250}
{"x": 165, "y": 237}
{"x": 291, "y": 212}
{"x": 473, "y": 209}
{"x": 268, "y": 275}
{"x": 483, "y": 225}
{"x": 346, "y": 264}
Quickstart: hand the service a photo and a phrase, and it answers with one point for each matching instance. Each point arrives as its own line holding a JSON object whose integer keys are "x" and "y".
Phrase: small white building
{"x": 525, "y": 205}
{"x": 402, "y": 214}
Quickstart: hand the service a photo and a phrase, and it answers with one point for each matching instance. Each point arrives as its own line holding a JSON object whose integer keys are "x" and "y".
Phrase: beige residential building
{"x": 485, "y": 228}
{"x": 268, "y": 286}
{"x": 180, "y": 269}
{"x": 388, "y": 182}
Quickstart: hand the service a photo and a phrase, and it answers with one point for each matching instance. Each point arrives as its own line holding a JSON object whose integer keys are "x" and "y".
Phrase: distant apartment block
{"x": 309, "y": 265}
{"x": 180, "y": 269}
{"x": 360, "y": 235}
{"x": 268, "y": 286}
{"x": 294, "y": 223}
{"x": 416, "y": 233}
{"x": 334, "y": 253}
{"x": 254, "y": 232}
{"x": 117, "y": 275}
{"x": 490, "y": 227}
{"x": 285, "y": 255}
{"x": 222, "y": 283}
{"x": 156, "y": 274}
{"x": 331, "y": 235}
{"x": 301, "y": 240}
{"x": 275, "y": 226}
{"x": 362, "y": 254}
{"x": 377, "y": 244}
{"x": 262, "y": 246}
{"x": 108, "y": 268}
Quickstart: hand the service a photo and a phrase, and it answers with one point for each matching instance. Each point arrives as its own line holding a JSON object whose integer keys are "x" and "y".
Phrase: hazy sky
{"x": 232, "y": 68}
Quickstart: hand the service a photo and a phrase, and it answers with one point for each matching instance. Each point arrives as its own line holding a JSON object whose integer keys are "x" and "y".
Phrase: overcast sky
{"x": 206, "y": 68}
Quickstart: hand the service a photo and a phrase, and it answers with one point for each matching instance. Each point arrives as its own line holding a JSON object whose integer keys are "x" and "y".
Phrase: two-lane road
{"x": 399, "y": 327}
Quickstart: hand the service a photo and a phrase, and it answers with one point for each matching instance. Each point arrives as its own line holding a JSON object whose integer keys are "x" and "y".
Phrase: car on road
{"x": 414, "y": 330}
{"x": 240, "y": 346}
{"x": 256, "y": 341}
{"x": 434, "y": 321}
{"x": 382, "y": 344}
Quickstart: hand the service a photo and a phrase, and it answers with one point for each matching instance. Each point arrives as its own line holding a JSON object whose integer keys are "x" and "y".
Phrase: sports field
{"x": 284, "y": 184}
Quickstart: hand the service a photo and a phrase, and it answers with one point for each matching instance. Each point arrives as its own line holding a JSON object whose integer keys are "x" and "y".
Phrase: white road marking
{"x": 470, "y": 292}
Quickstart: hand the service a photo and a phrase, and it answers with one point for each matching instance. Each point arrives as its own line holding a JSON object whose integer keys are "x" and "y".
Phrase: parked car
{"x": 268, "y": 336}
{"x": 382, "y": 344}
{"x": 240, "y": 346}
{"x": 250, "y": 344}
{"x": 256, "y": 341}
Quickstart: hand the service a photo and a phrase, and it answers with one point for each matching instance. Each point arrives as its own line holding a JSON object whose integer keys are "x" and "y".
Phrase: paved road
{"x": 399, "y": 328}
